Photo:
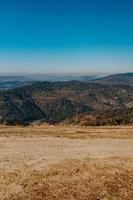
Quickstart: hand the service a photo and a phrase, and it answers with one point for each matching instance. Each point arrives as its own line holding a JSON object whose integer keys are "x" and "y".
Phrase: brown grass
{"x": 118, "y": 132}
{"x": 81, "y": 173}
{"x": 72, "y": 180}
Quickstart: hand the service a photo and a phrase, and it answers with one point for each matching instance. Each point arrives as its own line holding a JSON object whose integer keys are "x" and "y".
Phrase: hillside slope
{"x": 117, "y": 79}
{"x": 63, "y": 101}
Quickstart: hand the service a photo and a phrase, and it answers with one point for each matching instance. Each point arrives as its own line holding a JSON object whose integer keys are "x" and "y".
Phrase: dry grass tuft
{"x": 73, "y": 180}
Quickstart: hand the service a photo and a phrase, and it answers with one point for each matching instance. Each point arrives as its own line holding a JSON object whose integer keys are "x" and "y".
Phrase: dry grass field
{"x": 66, "y": 163}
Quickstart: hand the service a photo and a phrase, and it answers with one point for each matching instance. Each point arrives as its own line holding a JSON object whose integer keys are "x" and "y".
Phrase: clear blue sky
{"x": 87, "y": 36}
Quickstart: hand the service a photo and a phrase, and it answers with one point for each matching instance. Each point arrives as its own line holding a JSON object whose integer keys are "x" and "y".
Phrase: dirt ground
{"x": 66, "y": 163}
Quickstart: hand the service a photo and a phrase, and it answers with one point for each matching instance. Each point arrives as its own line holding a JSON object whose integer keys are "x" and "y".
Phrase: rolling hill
{"x": 117, "y": 79}
{"x": 67, "y": 102}
{"x": 10, "y": 82}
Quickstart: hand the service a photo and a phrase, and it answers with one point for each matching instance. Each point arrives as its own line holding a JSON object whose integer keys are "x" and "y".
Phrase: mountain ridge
{"x": 117, "y": 79}
{"x": 57, "y": 102}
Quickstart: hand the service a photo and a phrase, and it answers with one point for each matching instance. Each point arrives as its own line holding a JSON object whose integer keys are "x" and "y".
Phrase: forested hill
{"x": 67, "y": 102}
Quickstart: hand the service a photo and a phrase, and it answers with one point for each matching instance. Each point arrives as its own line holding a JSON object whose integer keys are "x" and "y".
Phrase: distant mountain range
{"x": 10, "y": 82}
{"x": 75, "y": 102}
{"x": 117, "y": 79}
{"x": 87, "y": 100}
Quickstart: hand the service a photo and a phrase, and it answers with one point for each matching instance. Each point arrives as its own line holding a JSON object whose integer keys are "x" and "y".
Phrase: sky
{"x": 66, "y": 36}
